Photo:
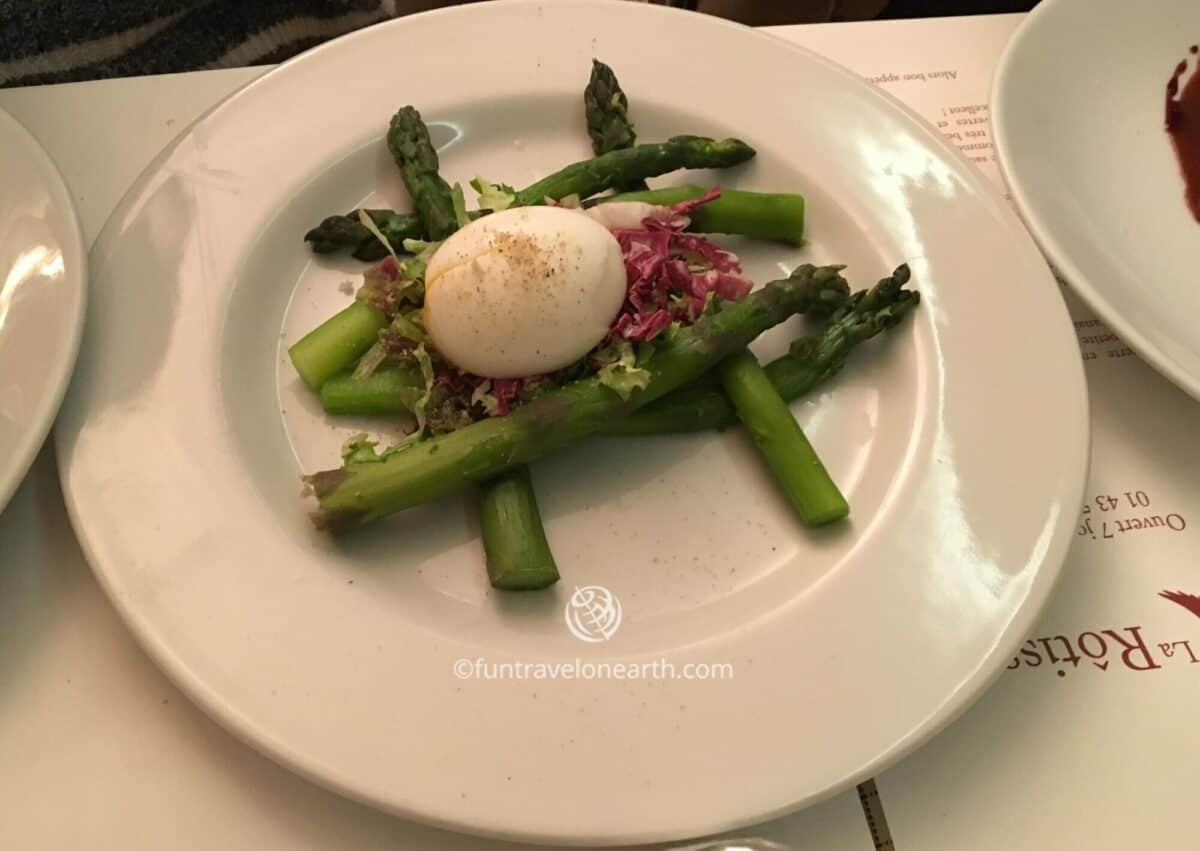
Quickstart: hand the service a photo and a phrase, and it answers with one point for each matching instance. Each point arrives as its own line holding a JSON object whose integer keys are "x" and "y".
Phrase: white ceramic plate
{"x": 43, "y": 279}
{"x": 961, "y": 442}
{"x": 1078, "y": 112}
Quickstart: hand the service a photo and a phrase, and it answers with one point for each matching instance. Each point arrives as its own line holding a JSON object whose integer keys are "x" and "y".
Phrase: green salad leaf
{"x": 411, "y": 325}
{"x": 423, "y": 251}
{"x": 622, "y": 374}
{"x": 460, "y": 206}
{"x": 494, "y": 196}
{"x": 426, "y": 364}
{"x": 370, "y": 225}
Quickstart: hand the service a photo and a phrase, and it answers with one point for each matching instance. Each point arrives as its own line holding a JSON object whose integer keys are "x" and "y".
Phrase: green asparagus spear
{"x": 409, "y": 143}
{"x": 335, "y": 344}
{"x": 760, "y": 215}
{"x": 607, "y": 111}
{"x": 584, "y": 179}
{"x": 619, "y": 167}
{"x": 514, "y": 541}
{"x": 361, "y": 492}
{"x": 518, "y": 556}
{"x": 521, "y": 534}
{"x": 336, "y": 233}
{"x": 388, "y": 390}
{"x": 411, "y": 148}
{"x": 755, "y": 214}
{"x": 811, "y": 361}
{"x": 781, "y": 442}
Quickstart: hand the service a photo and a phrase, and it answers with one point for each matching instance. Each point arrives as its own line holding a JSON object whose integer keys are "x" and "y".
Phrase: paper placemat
{"x": 1091, "y": 738}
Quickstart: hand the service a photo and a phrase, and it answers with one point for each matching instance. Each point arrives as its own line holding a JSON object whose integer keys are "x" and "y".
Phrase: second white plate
{"x": 1078, "y": 109}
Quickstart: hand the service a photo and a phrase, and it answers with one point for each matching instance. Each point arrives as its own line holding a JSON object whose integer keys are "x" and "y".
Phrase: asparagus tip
{"x": 337, "y": 232}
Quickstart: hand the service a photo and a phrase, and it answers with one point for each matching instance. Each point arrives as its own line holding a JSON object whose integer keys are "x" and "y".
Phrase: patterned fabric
{"x": 56, "y": 41}
{"x": 60, "y": 41}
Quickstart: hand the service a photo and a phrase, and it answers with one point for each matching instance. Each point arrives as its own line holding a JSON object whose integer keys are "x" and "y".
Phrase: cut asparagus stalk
{"x": 781, "y": 441}
{"x": 359, "y": 493}
{"x": 334, "y": 345}
{"x": 812, "y": 360}
{"x": 776, "y": 216}
{"x": 584, "y": 179}
{"x": 520, "y": 538}
{"x": 514, "y": 541}
{"x": 388, "y": 390}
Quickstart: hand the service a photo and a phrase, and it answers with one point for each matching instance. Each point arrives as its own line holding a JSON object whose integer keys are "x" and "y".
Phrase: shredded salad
{"x": 672, "y": 278}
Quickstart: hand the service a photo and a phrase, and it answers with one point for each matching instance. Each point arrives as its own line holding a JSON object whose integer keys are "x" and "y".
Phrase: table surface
{"x": 101, "y": 749}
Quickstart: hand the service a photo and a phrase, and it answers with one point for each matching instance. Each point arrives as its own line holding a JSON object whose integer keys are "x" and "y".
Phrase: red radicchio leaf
{"x": 678, "y": 216}
{"x": 726, "y": 285}
{"x": 388, "y": 268}
{"x": 506, "y": 390}
{"x": 685, "y": 207}
{"x": 643, "y": 326}
{"x": 655, "y": 274}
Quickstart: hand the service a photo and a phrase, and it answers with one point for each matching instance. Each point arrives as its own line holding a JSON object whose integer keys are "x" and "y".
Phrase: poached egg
{"x": 523, "y": 292}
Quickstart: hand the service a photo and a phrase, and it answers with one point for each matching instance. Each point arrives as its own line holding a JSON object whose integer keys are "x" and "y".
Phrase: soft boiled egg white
{"x": 523, "y": 292}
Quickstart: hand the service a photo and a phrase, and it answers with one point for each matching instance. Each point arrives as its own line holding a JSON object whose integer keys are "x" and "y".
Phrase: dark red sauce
{"x": 1183, "y": 126}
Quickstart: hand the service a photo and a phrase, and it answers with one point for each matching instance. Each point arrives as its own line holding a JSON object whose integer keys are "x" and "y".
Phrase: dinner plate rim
{"x": 986, "y": 671}
{"x": 65, "y": 346}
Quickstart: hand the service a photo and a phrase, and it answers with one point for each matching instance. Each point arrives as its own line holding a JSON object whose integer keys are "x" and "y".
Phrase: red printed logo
{"x": 1191, "y": 602}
